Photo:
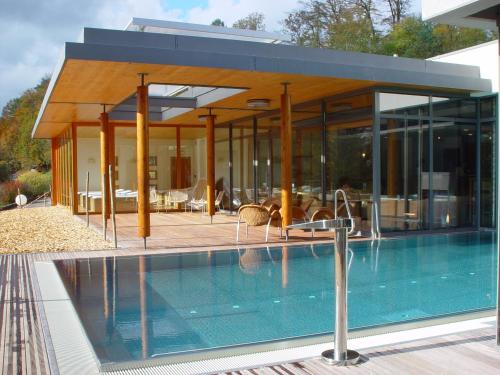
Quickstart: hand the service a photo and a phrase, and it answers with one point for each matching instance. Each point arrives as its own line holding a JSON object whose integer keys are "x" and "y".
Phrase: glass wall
{"x": 349, "y": 133}
{"x": 433, "y": 152}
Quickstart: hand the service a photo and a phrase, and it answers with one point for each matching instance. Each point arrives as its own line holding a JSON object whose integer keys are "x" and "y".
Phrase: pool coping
{"x": 72, "y": 350}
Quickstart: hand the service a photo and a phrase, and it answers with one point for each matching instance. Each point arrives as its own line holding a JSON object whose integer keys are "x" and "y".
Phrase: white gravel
{"x": 46, "y": 229}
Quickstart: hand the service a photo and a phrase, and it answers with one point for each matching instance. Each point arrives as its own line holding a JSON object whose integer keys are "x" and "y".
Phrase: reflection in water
{"x": 141, "y": 307}
{"x": 284, "y": 267}
{"x": 143, "y": 303}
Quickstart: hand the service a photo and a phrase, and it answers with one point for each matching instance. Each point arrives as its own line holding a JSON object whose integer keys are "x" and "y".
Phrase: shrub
{"x": 8, "y": 192}
{"x": 34, "y": 184}
{"x": 4, "y": 171}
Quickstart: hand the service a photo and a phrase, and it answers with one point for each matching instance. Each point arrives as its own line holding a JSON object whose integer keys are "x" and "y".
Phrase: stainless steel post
{"x": 87, "y": 198}
{"x": 341, "y": 356}
{"x": 112, "y": 201}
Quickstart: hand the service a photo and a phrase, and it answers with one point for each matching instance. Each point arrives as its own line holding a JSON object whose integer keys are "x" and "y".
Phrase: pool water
{"x": 148, "y": 306}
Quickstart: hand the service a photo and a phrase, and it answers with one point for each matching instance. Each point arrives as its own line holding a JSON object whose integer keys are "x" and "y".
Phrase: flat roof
{"x": 467, "y": 13}
{"x": 104, "y": 68}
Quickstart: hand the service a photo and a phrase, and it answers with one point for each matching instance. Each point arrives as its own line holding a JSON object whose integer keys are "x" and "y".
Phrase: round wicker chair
{"x": 254, "y": 215}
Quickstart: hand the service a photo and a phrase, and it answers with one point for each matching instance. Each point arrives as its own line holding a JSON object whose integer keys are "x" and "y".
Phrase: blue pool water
{"x": 142, "y": 307}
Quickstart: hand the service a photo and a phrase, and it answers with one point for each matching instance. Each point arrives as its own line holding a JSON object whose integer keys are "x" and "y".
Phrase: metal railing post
{"x": 87, "y": 200}
{"x": 341, "y": 356}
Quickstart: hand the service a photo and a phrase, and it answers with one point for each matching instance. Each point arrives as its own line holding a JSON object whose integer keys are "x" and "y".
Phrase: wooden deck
{"x": 193, "y": 230}
{"x": 24, "y": 350}
{"x": 468, "y": 353}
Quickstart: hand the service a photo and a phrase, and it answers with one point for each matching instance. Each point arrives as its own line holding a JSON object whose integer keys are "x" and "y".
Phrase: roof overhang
{"x": 104, "y": 69}
{"x": 468, "y": 13}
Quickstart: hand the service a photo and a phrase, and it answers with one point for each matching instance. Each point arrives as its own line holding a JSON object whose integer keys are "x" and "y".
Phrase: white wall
{"x": 484, "y": 55}
{"x": 125, "y": 149}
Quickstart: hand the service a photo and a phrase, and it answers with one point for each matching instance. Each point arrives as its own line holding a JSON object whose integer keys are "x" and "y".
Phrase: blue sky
{"x": 33, "y": 32}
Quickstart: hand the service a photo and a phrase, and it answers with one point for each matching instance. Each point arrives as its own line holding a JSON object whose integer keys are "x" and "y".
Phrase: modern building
{"x": 168, "y": 105}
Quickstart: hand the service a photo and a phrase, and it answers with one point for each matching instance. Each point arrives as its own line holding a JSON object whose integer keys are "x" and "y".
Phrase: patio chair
{"x": 322, "y": 213}
{"x": 198, "y": 199}
{"x": 175, "y": 197}
{"x": 154, "y": 200}
{"x": 255, "y": 215}
{"x": 218, "y": 199}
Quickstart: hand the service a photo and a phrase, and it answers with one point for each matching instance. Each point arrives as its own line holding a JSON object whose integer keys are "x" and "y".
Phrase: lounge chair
{"x": 256, "y": 215}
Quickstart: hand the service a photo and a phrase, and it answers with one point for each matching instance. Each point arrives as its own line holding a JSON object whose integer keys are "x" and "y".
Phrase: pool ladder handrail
{"x": 348, "y": 209}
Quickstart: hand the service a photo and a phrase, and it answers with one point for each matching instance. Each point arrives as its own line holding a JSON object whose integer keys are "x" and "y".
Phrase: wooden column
{"x": 211, "y": 165}
{"x": 286, "y": 158}
{"x": 112, "y": 156}
{"x": 104, "y": 137}
{"x": 54, "y": 166}
{"x": 74, "y": 170}
{"x": 178, "y": 164}
{"x": 142, "y": 162}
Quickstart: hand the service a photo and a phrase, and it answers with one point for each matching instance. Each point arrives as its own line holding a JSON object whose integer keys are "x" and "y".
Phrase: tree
{"x": 218, "y": 22}
{"x": 254, "y": 21}
{"x": 398, "y": 9}
{"x": 17, "y": 148}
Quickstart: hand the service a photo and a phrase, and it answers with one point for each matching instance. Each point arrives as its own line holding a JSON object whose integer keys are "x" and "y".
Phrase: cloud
{"x": 33, "y": 32}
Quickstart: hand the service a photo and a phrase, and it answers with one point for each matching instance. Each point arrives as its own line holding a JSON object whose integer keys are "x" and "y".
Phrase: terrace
{"x": 407, "y": 136}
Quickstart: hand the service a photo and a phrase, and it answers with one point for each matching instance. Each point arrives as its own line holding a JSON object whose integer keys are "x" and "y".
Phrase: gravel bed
{"x": 46, "y": 229}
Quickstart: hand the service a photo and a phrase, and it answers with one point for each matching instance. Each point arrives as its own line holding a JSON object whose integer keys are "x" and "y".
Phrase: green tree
{"x": 254, "y": 21}
{"x": 412, "y": 37}
{"x": 17, "y": 148}
{"x": 218, "y": 22}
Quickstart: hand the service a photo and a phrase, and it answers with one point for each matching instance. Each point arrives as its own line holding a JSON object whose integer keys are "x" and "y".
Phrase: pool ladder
{"x": 347, "y": 208}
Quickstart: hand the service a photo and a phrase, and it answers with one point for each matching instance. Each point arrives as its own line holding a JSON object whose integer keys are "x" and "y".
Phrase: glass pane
{"x": 454, "y": 174}
{"x": 222, "y": 164}
{"x": 349, "y": 155}
{"x": 453, "y": 108}
{"x": 487, "y": 173}
{"x": 400, "y": 104}
{"x": 243, "y": 162}
{"x": 402, "y": 204}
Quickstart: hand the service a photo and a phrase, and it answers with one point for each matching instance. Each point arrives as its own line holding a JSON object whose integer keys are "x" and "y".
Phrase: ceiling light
{"x": 258, "y": 103}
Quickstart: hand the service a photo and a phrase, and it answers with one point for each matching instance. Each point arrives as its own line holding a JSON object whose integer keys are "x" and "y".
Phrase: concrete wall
{"x": 484, "y": 55}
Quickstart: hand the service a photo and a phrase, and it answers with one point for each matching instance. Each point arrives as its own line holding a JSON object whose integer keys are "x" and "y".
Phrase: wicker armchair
{"x": 254, "y": 215}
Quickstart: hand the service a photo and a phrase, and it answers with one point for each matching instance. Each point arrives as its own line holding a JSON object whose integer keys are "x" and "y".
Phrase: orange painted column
{"x": 286, "y": 158}
{"x": 74, "y": 169}
{"x": 104, "y": 145}
{"x": 112, "y": 156}
{"x": 54, "y": 166}
{"x": 178, "y": 164}
{"x": 211, "y": 165}
{"x": 144, "y": 229}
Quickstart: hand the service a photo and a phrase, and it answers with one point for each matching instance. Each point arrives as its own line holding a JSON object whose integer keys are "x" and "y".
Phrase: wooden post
{"x": 142, "y": 162}
{"x": 54, "y": 166}
{"x": 178, "y": 156}
{"x": 286, "y": 158}
{"x": 74, "y": 170}
{"x": 104, "y": 136}
{"x": 111, "y": 156}
{"x": 210, "y": 165}
{"x": 87, "y": 200}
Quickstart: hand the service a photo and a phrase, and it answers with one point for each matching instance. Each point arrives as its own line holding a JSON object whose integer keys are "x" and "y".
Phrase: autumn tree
{"x": 254, "y": 21}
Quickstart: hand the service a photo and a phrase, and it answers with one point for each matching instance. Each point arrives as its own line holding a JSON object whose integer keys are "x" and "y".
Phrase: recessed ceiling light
{"x": 258, "y": 103}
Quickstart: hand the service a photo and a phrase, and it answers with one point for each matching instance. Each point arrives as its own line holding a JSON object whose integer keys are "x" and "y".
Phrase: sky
{"x": 33, "y": 32}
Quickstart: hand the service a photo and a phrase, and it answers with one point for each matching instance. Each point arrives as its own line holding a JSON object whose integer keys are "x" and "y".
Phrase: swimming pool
{"x": 135, "y": 308}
